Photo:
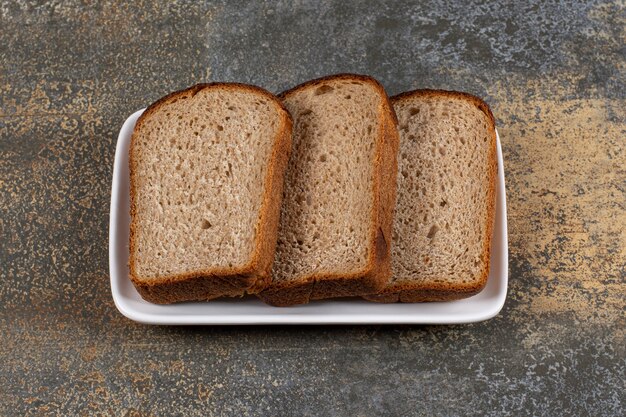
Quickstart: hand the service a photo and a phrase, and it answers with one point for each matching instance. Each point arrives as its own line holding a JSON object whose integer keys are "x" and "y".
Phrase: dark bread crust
{"x": 433, "y": 291}
{"x": 209, "y": 284}
{"x": 377, "y": 272}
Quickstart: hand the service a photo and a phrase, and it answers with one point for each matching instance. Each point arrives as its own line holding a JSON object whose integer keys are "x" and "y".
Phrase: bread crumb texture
{"x": 326, "y": 216}
{"x": 200, "y": 163}
{"x": 444, "y": 198}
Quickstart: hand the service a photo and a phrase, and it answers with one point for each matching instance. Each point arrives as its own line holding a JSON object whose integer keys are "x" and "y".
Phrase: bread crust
{"x": 212, "y": 283}
{"x": 377, "y": 272}
{"x": 434, "y": 291}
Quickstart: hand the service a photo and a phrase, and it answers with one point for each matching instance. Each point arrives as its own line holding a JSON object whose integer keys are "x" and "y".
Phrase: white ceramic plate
{"x": 250, "y": 310}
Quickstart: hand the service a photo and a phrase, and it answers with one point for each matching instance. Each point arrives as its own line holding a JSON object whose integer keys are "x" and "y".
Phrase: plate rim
{"x": 129, "y": 310}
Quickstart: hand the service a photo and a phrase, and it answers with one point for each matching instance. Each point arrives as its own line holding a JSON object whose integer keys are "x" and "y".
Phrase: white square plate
{"x": 250, "y": 310}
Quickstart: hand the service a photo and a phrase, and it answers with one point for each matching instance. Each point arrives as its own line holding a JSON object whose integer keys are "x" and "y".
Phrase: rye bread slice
{"x": 445, "y": 207}
{"x": 206, "y": 178}
{"x": 337, "y": 211}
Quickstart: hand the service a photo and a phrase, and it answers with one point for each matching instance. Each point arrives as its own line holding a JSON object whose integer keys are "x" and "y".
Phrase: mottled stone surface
{"x": 554, "y": 74}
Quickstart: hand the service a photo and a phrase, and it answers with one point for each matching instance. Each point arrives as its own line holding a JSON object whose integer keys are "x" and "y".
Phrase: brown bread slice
{"x": 446, "y": 197}
{"x": 206, "y": 178}
{"x": 339, "y": 192}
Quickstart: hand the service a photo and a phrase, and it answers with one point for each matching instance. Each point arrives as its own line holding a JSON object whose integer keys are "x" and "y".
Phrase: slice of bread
{"x": 206, "y": 178}
{"x": 446, "y": 197}
{"x": 336, "y": 218}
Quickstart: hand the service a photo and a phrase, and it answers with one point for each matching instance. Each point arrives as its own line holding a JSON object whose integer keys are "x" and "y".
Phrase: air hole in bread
{"x": 348, "y": 97}
{"x": 443, "y": 203}
{"x": 220, "y": 127}
{"x": 306, "y": 112}
{"x": 442, "y": 151}
{"x": 413, "y": 111}
{"x": 433, "y": 230}
{"x": 323, "y": 89}
{"x": 322, "y": 158}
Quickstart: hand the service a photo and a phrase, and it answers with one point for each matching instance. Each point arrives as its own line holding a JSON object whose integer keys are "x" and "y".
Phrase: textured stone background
{"x": 554, "y": 74}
